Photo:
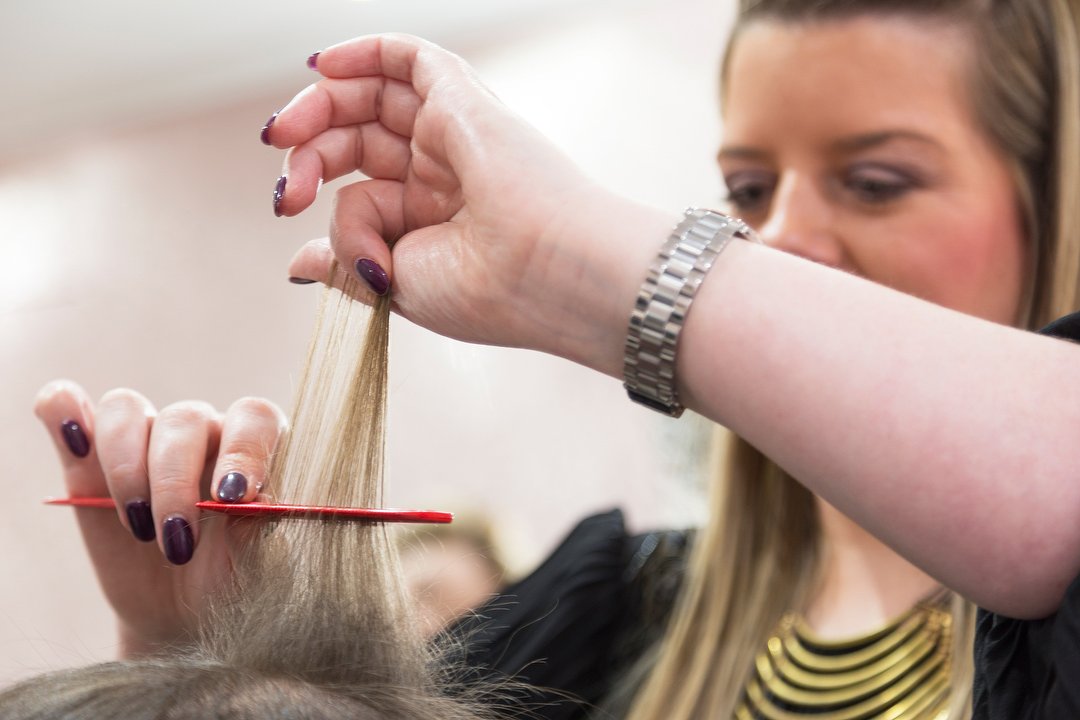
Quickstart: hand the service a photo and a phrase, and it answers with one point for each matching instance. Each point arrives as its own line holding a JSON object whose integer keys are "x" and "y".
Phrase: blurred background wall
{"x": 138, "y": 248}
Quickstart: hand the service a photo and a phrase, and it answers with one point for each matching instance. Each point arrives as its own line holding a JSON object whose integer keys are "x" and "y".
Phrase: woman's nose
{"x": 801, "y": 222}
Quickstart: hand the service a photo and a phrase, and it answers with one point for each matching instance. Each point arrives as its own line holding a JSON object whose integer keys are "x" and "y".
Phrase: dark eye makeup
{"x": 749, "y": 191}
{"x": 878, "y": 184}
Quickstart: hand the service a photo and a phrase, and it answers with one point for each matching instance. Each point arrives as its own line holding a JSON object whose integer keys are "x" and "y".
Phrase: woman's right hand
{"x": 497, "y": 237}
{"x": 158, "y": 558}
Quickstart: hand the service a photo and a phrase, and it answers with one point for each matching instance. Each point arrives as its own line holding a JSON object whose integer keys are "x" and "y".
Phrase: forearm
{"x": 951, "y": 438}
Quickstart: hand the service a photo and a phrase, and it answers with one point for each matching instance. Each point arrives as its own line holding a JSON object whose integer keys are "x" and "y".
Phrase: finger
{"x": 68, "y": 415}
{"x": 414, "y": 72}
{"x": 249, "y": 436}
{"x": 344, "y": 103}
{"x": 124, "y": 419}
{"x": 368, "y": 215}
{"x": 393, "y": 55}
{"x": 183, "y": 438}
{"x": 314, "y": 262}
{"x": 370, "y": 148}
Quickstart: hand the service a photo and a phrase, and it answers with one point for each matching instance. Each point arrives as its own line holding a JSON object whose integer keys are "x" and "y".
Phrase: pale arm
{"x": 951, "y": 438}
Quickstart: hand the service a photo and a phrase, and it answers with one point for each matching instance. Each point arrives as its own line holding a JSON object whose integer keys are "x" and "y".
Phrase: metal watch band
{"x": 664, "y": 300}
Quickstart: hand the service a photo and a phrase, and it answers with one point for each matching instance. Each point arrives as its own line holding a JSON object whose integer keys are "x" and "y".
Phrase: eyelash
{"x": 873, "y": 189}
{"x": 868, "y": 189}
{"x": 739, "y": 198}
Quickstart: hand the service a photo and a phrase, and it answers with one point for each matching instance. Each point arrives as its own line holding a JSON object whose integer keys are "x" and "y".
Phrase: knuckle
{"x": 249, "y": 458}
{"x": 122, "y": 400}
{"x": 256, "y": 409}
{"x": 124, "y": 469}
{"x": 187, "y": 413}
{"x": 173, "y": 488}
{"x": 175, "y": 475}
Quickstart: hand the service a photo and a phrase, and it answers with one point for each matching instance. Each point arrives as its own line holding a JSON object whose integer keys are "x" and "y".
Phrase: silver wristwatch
{"x": 664, "y": 300}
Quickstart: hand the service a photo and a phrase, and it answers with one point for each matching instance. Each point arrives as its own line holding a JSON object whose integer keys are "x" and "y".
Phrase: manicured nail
{"x": 300, "y": 281}
{"x": 265, "y": 134}
{"x": 373, "y": 275}
{"x": 232, "y": 487}
{"x": 313, "y": 61}
{"x": 75, "y": 437}
{"x": 179, "y": 541}
{"x": 279, "y": 193}
{"x": 140, "y": 519}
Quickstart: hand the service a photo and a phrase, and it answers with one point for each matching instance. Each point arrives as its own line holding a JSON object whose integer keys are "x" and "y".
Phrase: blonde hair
{"x": 758, "y": 557}
{"x": 316, "y": 624}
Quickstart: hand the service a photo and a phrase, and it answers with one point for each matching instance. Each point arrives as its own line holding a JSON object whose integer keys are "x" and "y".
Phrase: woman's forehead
{"x": 848, "y": 77}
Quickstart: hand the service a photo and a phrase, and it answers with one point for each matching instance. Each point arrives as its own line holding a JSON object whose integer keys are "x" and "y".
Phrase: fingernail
{"x": 75, "y": 437}
{"x": 279, "y": 193}
{"x": 373, "y": 275}
{"x": 313, "y": 61}
{"x": 140, "y": 519}
{"x": 178, "y": 540}
{"x": 265, "y": 134}
{"x": 300, "y": 281}
{"x": 232, "y": 487}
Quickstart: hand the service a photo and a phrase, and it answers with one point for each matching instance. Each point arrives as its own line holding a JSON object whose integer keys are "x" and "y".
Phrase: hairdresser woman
{"x": 950, "y": 437}
{"x": 502, "y": 241}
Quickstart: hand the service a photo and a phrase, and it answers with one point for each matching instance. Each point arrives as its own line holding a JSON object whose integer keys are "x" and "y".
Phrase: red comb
{"x": 280, "y": 510}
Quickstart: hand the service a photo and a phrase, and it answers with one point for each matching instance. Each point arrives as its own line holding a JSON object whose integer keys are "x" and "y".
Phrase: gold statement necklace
{"x": 900, "y": 672}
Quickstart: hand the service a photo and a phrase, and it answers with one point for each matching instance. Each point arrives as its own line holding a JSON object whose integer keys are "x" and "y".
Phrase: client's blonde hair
{"x": 316, "y": 624}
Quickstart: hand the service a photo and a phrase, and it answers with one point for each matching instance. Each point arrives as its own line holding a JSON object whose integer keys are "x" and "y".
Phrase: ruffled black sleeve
{"x": 564, "y": 635}
{"x": 556, "y": 629}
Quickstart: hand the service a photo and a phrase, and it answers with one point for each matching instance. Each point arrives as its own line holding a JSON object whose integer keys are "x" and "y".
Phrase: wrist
{"x": 606, "y": 244}
{"x": 664, "y": 302}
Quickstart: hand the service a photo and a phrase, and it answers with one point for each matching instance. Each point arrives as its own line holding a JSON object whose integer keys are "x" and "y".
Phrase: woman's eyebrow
{"x": 845, "y": 145}
{"x": 740, "y": 152}
{"x": 867, "y": 141}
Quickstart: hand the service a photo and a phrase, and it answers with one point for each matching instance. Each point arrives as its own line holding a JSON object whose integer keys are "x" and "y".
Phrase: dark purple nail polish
{"x": 232, "y": 487}
{"x": 179, "y": 542}
{"x": 373, "y": 275}
{"x": 313, "y": 61}
{"x": 279, "y": 193}
{"x": 300, "y": 281}
{"x": 141, "y": 520}
{"x": 265, "y": 134}
{"x": 75, "y": 437}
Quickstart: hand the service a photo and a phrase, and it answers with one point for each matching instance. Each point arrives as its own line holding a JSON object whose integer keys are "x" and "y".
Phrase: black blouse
{"x": 566, "y": 633}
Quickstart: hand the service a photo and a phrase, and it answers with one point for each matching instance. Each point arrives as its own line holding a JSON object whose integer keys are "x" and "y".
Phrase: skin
{"x": 853, "y": 144}
{"x": 889, "y": 179}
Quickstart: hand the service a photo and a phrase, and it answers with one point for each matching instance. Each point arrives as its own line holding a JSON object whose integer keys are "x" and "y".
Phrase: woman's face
{"x": 853, "y": 143}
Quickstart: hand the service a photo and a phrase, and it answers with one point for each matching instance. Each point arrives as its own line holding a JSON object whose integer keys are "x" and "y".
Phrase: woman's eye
{"x": 748, "y": 195}
{"x": 878, "y": 186}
